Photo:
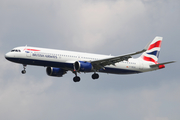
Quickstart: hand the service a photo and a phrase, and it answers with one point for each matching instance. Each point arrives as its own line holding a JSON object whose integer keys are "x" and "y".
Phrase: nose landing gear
{"x": 24, "y": 71}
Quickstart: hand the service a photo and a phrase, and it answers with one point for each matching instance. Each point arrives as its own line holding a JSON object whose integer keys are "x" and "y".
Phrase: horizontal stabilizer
{"x": 157, "y": 65}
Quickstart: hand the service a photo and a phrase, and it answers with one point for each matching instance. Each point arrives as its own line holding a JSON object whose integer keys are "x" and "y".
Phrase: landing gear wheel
{"x": 95, "y": 76}
{"x": 24, "y": 67}
{"x": 76, "y": 79}
{"x": 23, "y": 71}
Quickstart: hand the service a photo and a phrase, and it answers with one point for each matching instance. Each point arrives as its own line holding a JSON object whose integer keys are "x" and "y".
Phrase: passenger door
{"x": 28, "y": 54}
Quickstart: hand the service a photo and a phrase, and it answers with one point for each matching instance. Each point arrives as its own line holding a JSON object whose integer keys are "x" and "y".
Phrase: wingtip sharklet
{"x": 146, "y": 47}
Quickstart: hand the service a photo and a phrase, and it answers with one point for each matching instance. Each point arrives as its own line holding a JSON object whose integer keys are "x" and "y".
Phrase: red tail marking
{"x": 149, "y": 59}
{"x": 156, "y": 44}
{"x": 161, "y": 66}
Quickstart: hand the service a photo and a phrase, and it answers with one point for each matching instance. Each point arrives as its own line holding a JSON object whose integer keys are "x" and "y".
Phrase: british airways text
{"x": 42, "y": 55}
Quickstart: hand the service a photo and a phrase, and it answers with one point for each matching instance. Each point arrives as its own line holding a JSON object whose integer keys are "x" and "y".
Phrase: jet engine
{"x": 82, "y": 66}
{"x": 56, "y": 72}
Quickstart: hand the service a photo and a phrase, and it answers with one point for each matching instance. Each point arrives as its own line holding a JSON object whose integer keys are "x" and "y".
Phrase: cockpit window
{"x": 15, "y": 50}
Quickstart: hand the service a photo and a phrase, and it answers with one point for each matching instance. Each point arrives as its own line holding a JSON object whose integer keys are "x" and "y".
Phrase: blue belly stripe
{"x": 67, "y": 66}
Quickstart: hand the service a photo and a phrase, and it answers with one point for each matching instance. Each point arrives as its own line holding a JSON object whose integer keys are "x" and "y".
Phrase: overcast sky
{"x": 98, "y": 26}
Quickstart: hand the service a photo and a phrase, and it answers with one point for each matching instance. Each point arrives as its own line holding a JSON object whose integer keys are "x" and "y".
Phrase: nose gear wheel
{"x": 24, "y": 71}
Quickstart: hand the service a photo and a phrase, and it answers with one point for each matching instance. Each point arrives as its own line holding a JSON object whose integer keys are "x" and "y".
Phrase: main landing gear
{"x": 77, "y": 78}
{"x": 24, "y": 71}
{"x": 95, "y": 76}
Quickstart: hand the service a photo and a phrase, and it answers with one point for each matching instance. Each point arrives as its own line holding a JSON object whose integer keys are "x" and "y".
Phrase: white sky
{"x": 102, "y": 26}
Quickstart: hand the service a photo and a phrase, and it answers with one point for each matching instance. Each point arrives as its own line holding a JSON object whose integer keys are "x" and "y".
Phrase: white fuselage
{"x": 66, "y": 59}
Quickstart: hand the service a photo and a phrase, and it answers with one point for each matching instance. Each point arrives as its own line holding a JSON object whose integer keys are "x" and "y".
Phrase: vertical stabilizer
{"x": 152, "y": 53}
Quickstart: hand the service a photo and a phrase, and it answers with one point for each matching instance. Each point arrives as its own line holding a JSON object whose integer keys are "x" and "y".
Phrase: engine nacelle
{"x": 82, "y": 66}
{"x": 56, "y": 72}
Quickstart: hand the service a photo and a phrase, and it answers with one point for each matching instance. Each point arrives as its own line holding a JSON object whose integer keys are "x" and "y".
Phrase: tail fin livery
{"x": 152, "y": 53}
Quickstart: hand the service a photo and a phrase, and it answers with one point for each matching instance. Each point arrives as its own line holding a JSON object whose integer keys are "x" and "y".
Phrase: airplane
{"x": 58, "y": 62}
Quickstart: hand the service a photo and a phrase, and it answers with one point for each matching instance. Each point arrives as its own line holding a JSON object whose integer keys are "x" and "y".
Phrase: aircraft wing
{"x": 98, "y": 64}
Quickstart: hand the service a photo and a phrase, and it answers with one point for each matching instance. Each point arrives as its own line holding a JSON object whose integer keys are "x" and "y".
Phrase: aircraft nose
{"x": 8, "y": 55}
